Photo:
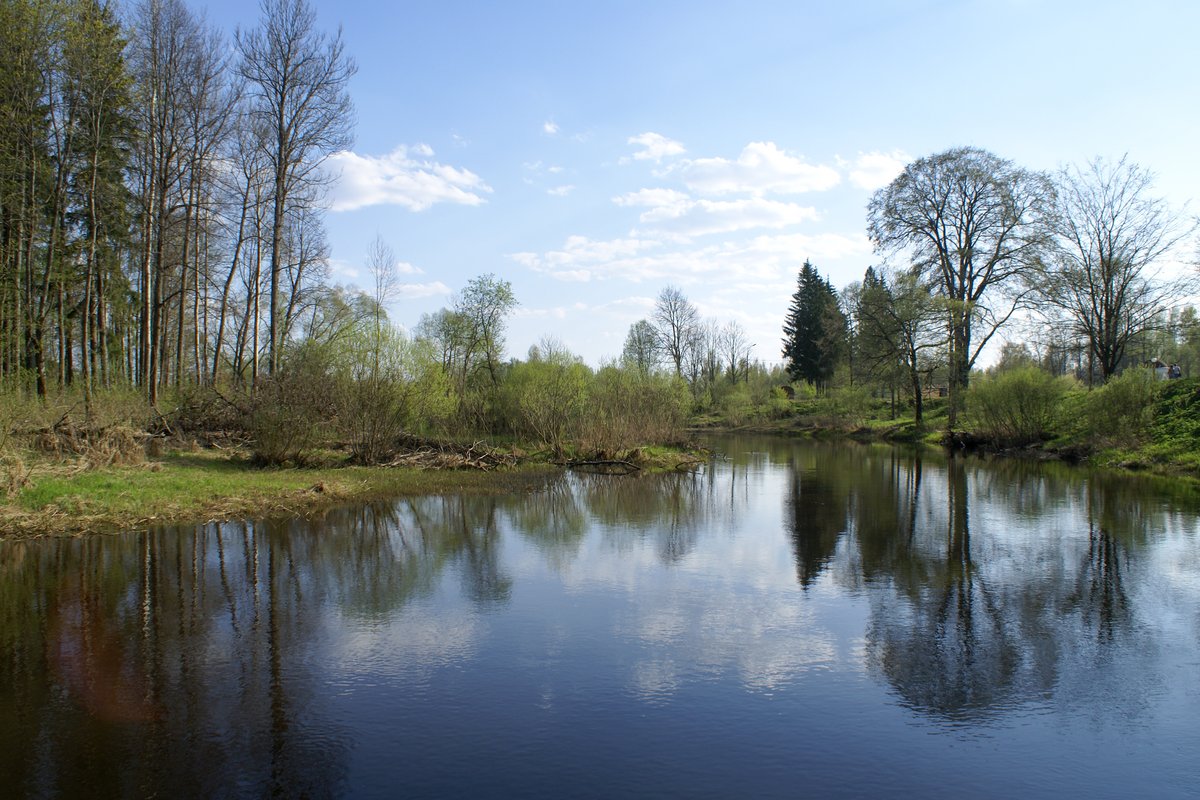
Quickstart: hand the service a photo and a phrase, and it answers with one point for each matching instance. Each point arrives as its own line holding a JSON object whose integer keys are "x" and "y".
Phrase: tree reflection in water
{"x": 971, "y": 613}
{"x": 156, "y": 656}
{"x": 952, "y": 652}
{"x": 132, "y": 664}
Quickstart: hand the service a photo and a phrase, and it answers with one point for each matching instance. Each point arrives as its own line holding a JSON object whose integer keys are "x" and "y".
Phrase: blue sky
{"x": 592, "y": 153}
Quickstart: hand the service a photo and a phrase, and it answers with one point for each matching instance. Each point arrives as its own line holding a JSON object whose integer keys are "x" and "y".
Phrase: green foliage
{"x": 548, "y": 398}
{"x": 1175, "y": 428}
{"x": 1016, "y": 407}
{"x": 641, "y": 347}
{"x": 844, "y": 407}
{"x": 469, "y": 340}
{"x": 628, "y": 408}
{"x": 371, "y": 409}
{"x": 1120, "y": 412}
{"x": 736, "y": 406}
{"x": 291, "y": 412}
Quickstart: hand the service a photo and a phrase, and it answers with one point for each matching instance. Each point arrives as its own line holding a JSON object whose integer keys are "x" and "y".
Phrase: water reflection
{"x": 975, "y": 571}
{"x": 969, "y": 592}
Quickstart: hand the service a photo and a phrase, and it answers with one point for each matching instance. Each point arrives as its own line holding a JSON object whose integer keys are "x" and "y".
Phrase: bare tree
{"x": 297, "y": 79}
{"x": 972, "y": 224}
{"x": 675, "y": 320}
{"x": 381, "y": 263}
{"x": 735, "y": 350}
{"x": 165, "y": 40}
{"x": 702, "y": 357}
{"x": 1112, "y": 240}
{"x": 641, "y": 347}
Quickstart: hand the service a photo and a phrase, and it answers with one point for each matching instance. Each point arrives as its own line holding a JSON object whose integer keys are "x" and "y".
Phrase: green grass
{"x": 210, "y": 486}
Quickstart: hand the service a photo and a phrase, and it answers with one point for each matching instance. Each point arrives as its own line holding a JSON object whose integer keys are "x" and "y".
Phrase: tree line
{"x": 159, "y": 190}
{"x": 160, "y": 226}
{"x": 972, "y": 243}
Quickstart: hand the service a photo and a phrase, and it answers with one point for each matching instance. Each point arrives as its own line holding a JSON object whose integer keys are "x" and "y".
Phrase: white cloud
{"x": 343, "y": 269}
{"x": 769, "y": 259}
{"x": 578, "y": 255}
{"x": 762, "y": 167}
{"x": 875, "y": 170}
{"x": 407, "y": 177}
{"x": 654, "y": 147}
{"x": 558, "y": 312}
{"x": 561, "y": 191}
{"x": 413, "y": 291}
{"x": 676, "y": 215}
{"x": 655, "y": 198}
{"x": 405, "y": 268}
{"x": 550, "y": 127}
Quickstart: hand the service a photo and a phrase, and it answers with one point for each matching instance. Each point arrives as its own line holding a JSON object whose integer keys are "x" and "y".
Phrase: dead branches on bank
{"x": 414, "y": 451}
{"x": 615, "y": 466}
{"x": 99, "y": 446}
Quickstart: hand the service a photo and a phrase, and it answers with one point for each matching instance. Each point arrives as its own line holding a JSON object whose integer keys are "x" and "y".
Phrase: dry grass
{"x": 72, "y": 498}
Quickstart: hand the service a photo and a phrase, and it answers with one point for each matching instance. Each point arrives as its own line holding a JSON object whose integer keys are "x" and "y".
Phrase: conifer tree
{"x": 814, "y": 334}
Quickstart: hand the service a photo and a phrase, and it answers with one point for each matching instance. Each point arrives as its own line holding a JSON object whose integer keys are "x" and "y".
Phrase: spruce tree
{"x": 814, "y": 333}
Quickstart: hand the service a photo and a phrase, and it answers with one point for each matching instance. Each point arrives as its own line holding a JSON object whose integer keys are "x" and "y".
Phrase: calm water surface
{"x": 796, "y": 620}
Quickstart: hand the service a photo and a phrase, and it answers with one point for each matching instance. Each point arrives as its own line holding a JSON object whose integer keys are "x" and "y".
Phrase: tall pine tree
{"x": 814, "y": 334}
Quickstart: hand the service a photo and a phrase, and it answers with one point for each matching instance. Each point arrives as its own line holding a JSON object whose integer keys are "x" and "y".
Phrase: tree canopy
{"x": 972, "y": 224}
{"x": 1111, "y": 239}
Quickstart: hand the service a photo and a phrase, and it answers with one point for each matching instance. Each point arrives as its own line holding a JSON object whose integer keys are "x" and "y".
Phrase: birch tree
{"x": 298, "y": 85}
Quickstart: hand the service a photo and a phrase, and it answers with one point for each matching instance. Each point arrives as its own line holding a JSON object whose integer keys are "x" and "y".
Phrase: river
{"x": 796, "y": 619}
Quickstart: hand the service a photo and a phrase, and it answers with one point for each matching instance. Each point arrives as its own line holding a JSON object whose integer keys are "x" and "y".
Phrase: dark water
{"x": 797, "y": 620}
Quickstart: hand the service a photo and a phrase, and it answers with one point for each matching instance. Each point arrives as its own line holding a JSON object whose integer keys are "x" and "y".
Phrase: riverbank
{"x": 78, "y": 482}
{"x": 54, "y": 498}
{"x": 210, "y": 485}
{"x": 1158, "y": 435}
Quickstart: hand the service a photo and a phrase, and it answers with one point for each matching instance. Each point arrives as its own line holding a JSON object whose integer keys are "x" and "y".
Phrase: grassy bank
{"x": 216, "y": 485}
{"x": 1133, "y": 423}
{"x": 50, "y": 496}
{"x": 62, "y": 478}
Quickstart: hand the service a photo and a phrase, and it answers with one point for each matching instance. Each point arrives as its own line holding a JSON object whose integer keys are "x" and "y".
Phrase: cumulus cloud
{"x": 875, "y": 170}
{"x": 654, "y": 147}
{"x": 677, "y": 215}
{"x": 655, "y": 198}
{"x": 413, "y": 291}
{"x": 762, "y": 259}
{"x": 407, "y": 177}
{"x": 550, "y": 127}
{"x": 561, "y": 191}
{"x": 761, "y": 168}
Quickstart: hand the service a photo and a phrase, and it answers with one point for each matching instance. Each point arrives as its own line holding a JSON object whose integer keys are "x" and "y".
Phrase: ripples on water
{"x": 796, "y": 619}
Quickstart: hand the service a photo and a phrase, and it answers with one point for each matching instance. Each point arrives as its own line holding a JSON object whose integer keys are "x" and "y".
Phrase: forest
{"x": 164, "y": 269}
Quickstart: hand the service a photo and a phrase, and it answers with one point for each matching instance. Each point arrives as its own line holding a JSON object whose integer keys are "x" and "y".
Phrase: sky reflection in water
{"x": 834, "y": 619}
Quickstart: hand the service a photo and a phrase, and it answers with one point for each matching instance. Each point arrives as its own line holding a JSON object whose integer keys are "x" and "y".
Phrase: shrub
{"x": 627, "y": 409}
{"x": 371, "y": 403}
{"x": 291, "y": 411}
{"x": 843, "y": 406}
{"x": 736, "y": 406}
{"x": 1017, "y": 406}
{"x": 1122, "y": 410}
{"x": 547, "y": 400}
